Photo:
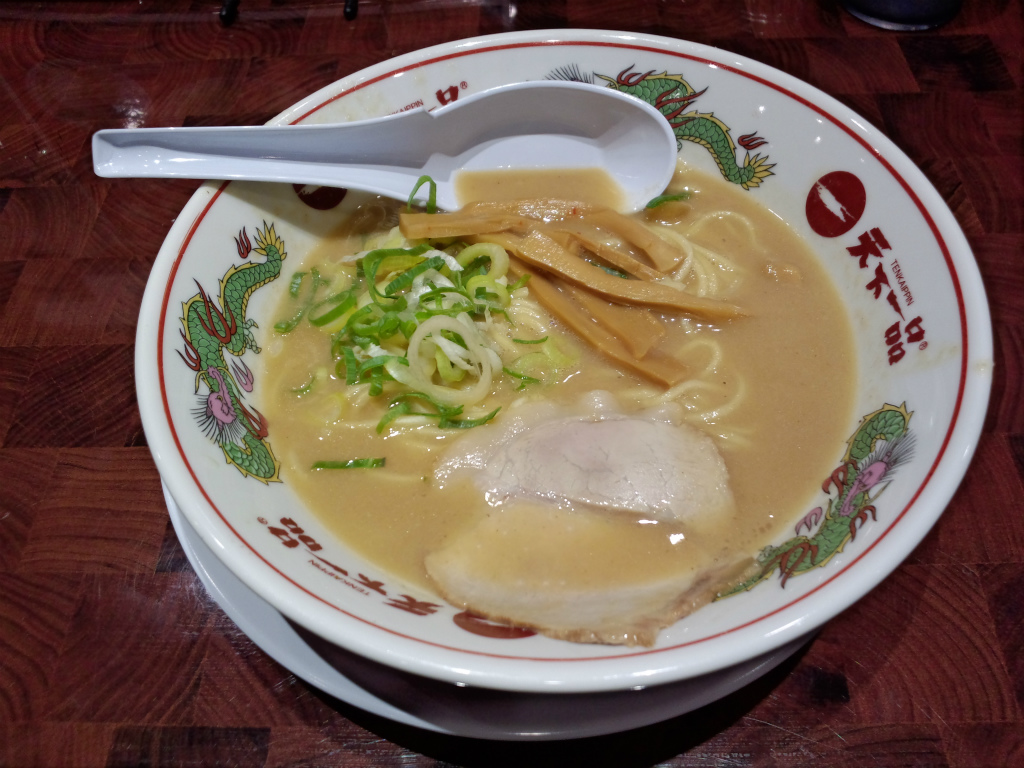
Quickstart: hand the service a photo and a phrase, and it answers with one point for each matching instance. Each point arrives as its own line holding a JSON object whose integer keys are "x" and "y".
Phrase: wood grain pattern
{"x": 111, "y": 651}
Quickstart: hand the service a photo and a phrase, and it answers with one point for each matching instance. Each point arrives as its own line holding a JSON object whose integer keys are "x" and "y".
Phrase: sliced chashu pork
{"x": 563, "y": 573}
{"x": 555, "y": 553}
{"x": 634, "y": 465}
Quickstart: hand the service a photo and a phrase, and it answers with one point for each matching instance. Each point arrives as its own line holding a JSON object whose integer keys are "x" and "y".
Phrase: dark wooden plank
{"x": 133, "y": 652}
{"x": 101, "y": 512}
{"x": 998, "y": 196}
{"x": 984, "y": 744}
{"x": 923, "y": 648}
{"x": 792, "y": 18}
{"x": 97, "y": 405}
{"x": 168, "y": 746}
{"x": 927, "y": 126}
{"x": 981, "y": 527}
{"x": 1003, "y": 583}
{"x": 15, "y": 366}
{"x": 705, "y": 20}
{"x": 50, "y": 221}
{"x": 259, "y": 32}
{"x": 276, "y": 697}
{"x": 58, "y": 744}
{"x": 27, "y": 478}
{"x": 1006, "y": 409}
{"x": 120, "y": 232}
{"x": 37, "y": 612}
{"x": 956, "y": 63}
{"x": 37, "y": 314}
{"x": 875, "y": 65}
{"x": 40, "y": 152}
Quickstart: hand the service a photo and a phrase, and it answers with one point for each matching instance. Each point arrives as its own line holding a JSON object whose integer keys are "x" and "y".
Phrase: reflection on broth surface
{"x": 695, "y": 360}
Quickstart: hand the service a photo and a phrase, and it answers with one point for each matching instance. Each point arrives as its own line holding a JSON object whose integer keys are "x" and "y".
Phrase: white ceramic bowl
{"x": 836, "y": 180}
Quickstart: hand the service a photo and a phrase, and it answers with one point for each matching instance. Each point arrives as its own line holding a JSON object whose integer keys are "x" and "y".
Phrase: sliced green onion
{"x": 523, "y": 378}
{"x": 487, "y": 288}
{"x": 431, "y": 194}
{"x": 351, "y": 366}
{"x": 448, "y": 372}
{"x": 662, "y": 199}
{"x": 353, "y": 371}
{"x": 405, "y": 279}
{"x": 496, "y": 256}
{"x": 376, "y": 381}
{"x": 388, "y": 325}
{"x": 394, "y": 410}
{"x": 295, "y": 284}
{"x": 458, "y": 309}
{"x": 343, "y": 302}
{"x": 360, "y": 322}
{"x": 519, "y": 283}
{"x": 305, "y": 388}
{"x": 287, "y": 326}
{"x": 398, "y": 262}
{"x": 439, "y": 293}
{"x": 407, "y": 327}
{"x": 445, "y": 414}
{"x": 530, "y": 341}
{"x": 454, "y": 337}
{"x": 446, "y": 423}
{"x": 350, "y": 464}
{"x": 379, "y": 362}
{"x": 371, "y": 263}
{"x": 609, "y": 270}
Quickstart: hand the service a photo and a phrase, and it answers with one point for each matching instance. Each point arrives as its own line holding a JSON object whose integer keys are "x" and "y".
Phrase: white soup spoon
{"x": 537, "y": 125}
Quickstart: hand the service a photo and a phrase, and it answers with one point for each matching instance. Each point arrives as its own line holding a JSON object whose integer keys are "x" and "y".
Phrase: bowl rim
{"x": 516, "y": 672}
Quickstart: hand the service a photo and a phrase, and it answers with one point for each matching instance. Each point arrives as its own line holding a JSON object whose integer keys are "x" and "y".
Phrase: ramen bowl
{"x": 892, "y": 249}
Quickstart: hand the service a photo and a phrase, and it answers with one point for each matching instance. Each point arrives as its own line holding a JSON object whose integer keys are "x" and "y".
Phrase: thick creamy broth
{"x": 590, "y": 185}
{"x": 777, "y": 405}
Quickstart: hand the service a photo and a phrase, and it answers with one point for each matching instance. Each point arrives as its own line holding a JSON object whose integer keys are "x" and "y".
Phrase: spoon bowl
{"x": 540, "y": 125}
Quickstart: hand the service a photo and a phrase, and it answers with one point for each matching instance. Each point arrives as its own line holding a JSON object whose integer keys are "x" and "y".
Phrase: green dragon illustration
{"x": 212, "y": 328}
{"x": 879, "y": 446}
{"x": 672, "y": 95}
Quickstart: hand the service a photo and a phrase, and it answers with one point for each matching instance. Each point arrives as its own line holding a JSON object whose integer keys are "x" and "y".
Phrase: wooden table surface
{"x": 111, "y": 651}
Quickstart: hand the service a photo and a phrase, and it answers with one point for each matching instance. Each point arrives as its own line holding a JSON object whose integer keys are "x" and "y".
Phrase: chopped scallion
{"x": 305, "y": 388}
{"x": 350, "y": 464}
{"x": 662, "y": 199}
{"x": 519, "y": 283}
{"x": 431, "y": 194}
{"x": 295, "y": 284}
{"x": 523, "y": 378}
{"x": 342, "y": 303}
{"x": 405, "y": 279}
{"x": 287, "y": 326}
{"x": 530, "y": 341}
{"x": 351, "y": 366}
{"x": 445, "y": 414}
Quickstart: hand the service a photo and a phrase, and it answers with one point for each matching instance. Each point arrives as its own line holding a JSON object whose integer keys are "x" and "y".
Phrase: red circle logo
{"x": 835, "y": 203}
